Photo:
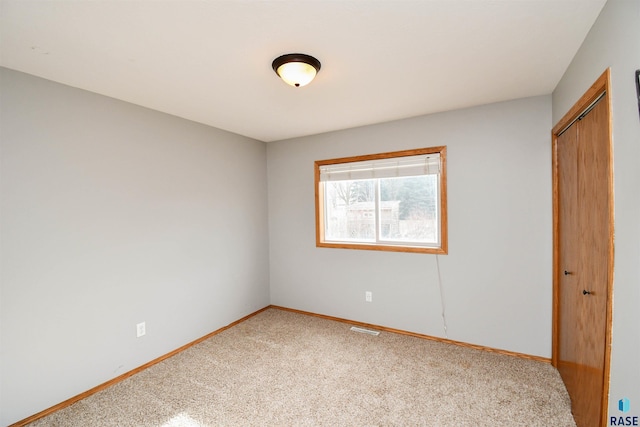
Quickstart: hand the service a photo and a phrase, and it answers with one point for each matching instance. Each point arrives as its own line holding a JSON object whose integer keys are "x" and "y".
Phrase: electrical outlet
{"x": 141, "y": 329}
{"x": 368, "y": 296}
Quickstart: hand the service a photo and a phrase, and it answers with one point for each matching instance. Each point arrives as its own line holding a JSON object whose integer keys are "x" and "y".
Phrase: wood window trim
{"x": 319, "y": 200}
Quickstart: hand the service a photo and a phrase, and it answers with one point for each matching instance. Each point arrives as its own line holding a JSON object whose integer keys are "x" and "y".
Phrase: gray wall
{"x": 614, "y": 41}
{"x": 112, "y": 214}
{"x": 496, "y": 278}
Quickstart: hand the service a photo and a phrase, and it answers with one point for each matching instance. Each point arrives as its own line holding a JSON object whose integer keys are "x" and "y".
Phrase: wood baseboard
{"x": 413, "y": 334}
{"x": 126, "y": 375}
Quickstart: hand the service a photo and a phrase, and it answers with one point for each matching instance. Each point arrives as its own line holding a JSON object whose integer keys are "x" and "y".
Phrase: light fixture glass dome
{"x": 296, "y": 69}
{"x": 296, "y": 73}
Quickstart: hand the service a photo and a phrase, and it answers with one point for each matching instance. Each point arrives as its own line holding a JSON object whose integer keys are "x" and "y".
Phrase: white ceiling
{"x": 210, "y": 61}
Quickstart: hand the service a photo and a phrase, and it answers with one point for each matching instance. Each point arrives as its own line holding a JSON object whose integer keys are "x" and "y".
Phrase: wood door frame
{"x": 602, "y": 85}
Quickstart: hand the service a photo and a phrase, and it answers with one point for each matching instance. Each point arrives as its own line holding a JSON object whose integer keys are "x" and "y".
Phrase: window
{"x": 390, "y": 201}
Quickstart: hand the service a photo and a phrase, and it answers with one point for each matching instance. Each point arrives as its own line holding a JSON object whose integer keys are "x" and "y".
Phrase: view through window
{"x": 391, "y": 201}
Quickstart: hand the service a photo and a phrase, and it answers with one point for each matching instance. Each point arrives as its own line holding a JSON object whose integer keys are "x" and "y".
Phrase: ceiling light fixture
{"x": 296, "y": 69}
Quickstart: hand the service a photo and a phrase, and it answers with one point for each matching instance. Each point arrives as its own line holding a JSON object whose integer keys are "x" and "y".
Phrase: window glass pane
{"x": 409, "y": 209}
{"x": 350, "y": 210}
{"x": 388, "y": 201}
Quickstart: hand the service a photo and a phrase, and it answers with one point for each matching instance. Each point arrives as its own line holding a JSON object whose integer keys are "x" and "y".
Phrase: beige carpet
{"x": 287, "y": 369}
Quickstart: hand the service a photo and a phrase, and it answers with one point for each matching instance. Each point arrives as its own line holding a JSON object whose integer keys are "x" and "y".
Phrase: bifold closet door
{"x": 584, "y": 229}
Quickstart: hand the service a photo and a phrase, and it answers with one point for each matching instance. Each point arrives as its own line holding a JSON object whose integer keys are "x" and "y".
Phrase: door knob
{"x": 585, "y": 292}
{"x": 567, "y": 273}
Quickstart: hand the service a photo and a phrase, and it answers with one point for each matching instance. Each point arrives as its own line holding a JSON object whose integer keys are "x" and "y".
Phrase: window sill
{"x": 379, "y": 247}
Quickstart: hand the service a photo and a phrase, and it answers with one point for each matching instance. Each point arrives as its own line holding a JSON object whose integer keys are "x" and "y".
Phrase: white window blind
{"x": 425, "y": 164}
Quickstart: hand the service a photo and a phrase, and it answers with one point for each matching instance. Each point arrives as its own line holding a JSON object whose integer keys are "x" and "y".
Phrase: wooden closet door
{"x": 584, "y": 242}
{"x": 571, "y": 307}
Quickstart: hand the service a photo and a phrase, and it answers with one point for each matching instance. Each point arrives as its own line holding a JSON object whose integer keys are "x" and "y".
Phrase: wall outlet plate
{"x": 141, "y": 329}
{"x": 368, "y": 296}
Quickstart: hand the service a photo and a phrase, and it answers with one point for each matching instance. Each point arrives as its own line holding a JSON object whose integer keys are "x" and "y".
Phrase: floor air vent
{"x": 365, "y": 331}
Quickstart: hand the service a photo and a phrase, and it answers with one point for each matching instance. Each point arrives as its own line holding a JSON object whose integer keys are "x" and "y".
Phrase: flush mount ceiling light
{"x": 296, "y": 69}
